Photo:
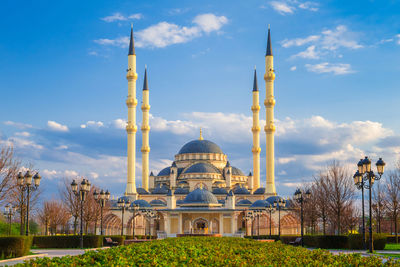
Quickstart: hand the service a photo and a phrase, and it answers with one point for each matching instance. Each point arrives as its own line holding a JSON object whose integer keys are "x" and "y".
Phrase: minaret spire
{"x": 201, "y": 134}
{"x": 269, "y": 46}
{"x": 145, "y": 133}
{"x": 255, "y": 108}
{"x": 269, "y": 129}
{"x": 131, "y": 43}
{"x": 131, "y": 127}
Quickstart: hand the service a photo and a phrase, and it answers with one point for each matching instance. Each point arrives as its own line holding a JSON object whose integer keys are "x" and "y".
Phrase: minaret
{"x": 131, "y": 127}
{"x": 255, "y": 108}
{"x": 269, "y": 129}
{"x": 145, "y": 134}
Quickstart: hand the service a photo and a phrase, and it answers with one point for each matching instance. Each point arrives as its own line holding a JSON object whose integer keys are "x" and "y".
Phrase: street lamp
{"x": 101, "y": 198}
{"x": 135, "y": 210}
{"x": 150, "y": 214}
{"x": 249, "y": 217}
{"x": 9, "y": 211}
{"x": 25, "y": 183}
{"x": 123, "y": 205}
{"x": 278, "y": 206}
{"x": 301, "y": 197}
{"x": 365, "y": 178}
{"x": 81, "y": 193}
{"x": 270, "y": 209}
{"x": 359, "y": 182}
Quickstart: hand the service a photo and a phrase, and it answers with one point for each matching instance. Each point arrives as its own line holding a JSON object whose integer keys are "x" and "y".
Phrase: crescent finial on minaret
{"x": 201, "y": 134}
{"x": 131, "y": 43}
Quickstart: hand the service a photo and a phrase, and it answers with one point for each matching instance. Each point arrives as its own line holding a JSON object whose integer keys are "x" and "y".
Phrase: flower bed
{"x": 210, "y": 251}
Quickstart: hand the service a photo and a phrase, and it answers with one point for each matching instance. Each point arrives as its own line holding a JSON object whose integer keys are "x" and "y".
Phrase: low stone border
{"x": 24, "y": 257}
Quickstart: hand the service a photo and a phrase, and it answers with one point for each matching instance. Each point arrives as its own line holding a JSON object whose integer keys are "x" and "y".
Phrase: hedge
{"x": 68, "y": 241}
{"x": 379, "y": 241}
{"x": 14, "y": 246}
{"x": 274, "y": 237}
{"x": 392, "y": 238}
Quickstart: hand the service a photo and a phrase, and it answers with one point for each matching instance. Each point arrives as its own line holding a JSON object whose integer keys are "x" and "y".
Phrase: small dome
{"x": 200, "y": 146}
{"x": 141, "y": 203}
{"x": 181, "y": 191}
{"x": 221, "y": 201}
{"x": 244, "y": 202}
{"x": 142, "y": 191}
{"x": 157, "y": 203}
{"x": 261, "y": 203}
{"x": 179, "y": 202}
{"x": 165, "y": 172}
{"x": 236, "y": 171}
{"x": 219, "y": 191}
{"x": 240, "y": 190}
{"x": 126, "y": 199}
{"x": 200, "y": 196}
{"x": 259, "y": 191}
{"x": 202, "y": 168}
{"x": 160, "y": 190}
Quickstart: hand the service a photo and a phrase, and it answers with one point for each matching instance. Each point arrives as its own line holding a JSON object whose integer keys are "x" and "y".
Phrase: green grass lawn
{"x": 392, "y": 246}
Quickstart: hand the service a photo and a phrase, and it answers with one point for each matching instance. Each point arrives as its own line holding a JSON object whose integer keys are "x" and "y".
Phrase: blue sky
{"x": 63, "y": 86}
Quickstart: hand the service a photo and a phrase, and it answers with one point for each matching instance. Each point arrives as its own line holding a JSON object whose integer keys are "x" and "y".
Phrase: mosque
{"x": 201, "y": 192}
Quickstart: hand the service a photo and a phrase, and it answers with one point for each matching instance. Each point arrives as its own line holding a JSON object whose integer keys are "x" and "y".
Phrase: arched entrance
{"x": 200, "y": 226}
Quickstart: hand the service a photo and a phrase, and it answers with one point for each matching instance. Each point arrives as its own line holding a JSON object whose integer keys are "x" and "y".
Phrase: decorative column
{"x": 131, "y": 127}
{"x": 145, "y": 134}
{"x": 255, "y": 108}
{"x": 269, "y": 129}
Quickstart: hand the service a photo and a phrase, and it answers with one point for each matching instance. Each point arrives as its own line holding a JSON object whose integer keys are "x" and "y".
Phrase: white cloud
{"x": 325, "y": 67}
{"x": 312, "y": 6}
{"x": 286, "y": 160}
{"x": 340, "y": 37}
{"x": 48, "y": 174}
{"x": 70, "y": 173}
{"x": 293, "y": 68}
{"x": 22, "y": 143}
{"x": 119, "y": 124}
{"x": 119, "y": 17}
{"x": 62, "y": 147}
{"x": 174, "y": 126}
{"x": 92, "y": 124}
{"x": 300, "y": 41}
{"x": 55, "y": 126}
{"x": 164, "y": 33}
{"x": 18, "y": 125}
{"x": 309, "y": 53}
{"x": 94, "y": 175}
{"x": 398, "y": 39}
{"x": 209, "y": 22}
{"x": 23, "y": 134}
{"x": 282, "y": 7}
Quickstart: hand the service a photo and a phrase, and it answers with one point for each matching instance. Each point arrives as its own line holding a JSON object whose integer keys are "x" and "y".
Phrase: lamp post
{"x": 25, "y": 183}
{"x": 101, "y": 198}
{"x": 359, "y": 182}
{"x": 301, "y": 197}
{"x": 82, "y": 193}
{"x": 124, "y": 205}
{"x": 365, "y": 178}
{"x": 249, "y": 217}
{"x": 9, "y": 211}
{"x": 278, "y": 206}
{"x": 270, "y": 209}
{"x": 150, "y": 214}
{"x": 135, "y": 210}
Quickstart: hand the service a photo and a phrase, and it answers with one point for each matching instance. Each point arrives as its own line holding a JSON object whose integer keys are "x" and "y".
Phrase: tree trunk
{"x": 395, "y": 228}
{"x": 75, "y": 224}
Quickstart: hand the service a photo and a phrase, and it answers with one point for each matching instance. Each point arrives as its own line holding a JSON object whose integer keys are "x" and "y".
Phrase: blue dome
{"x": 141, "y": 203}
{"x": 259, "y": 191}
{"x": 200, "y": 196}
{"x": 273, "y": 198}
{"x": 157, "y": 203}
{"x": 220, "y": 191}
{"x": 261, "y": 203}
{"x": 236, "y": 171}
{"x": 160, "y": 190}
{"x": 142, "y": 191}
{"x": 126, "y": 198}
{"x": 202, "y": 168}
{"x": 221, "y": 201}
{"x": 240, "y": 190}
{"x": 244, "y": 202}
{"x": 200, "y": 146}
{"x": 181, "y": 191}
{"x": 164, "y": 171}
{"x": 179, "y": 201}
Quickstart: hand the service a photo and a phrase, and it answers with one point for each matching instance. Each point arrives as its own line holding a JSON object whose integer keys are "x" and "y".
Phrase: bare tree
{"x": 378, "y": 206}
{"x": 392, "y": 198}
{"x": 9, "y": 167}
{"x": 320, "y": 191}
{"x": 53, "y": 214}
{"x": 71, "y": 202}
{"x": 340, "y": 192}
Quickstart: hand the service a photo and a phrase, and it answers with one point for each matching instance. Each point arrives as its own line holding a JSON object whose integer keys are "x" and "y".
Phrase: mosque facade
{"x": 201, "y": 192}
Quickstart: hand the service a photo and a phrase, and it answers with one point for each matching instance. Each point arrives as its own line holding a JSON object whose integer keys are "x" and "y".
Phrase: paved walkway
{"x": 51, "y": 253}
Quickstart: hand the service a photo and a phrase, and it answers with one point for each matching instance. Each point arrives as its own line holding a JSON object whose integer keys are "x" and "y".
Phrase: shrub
{"x": 392, "y": 238}
{"x": 67, "y": 241}
{"x": 15, "y": 246}
{"x": 286, "y": 239}
{"x": 210, "y": 251}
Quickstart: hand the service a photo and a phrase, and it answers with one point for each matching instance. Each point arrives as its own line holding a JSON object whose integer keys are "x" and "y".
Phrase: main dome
{"x": 200, "y": 146}
{"x": 200, "y": 196}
